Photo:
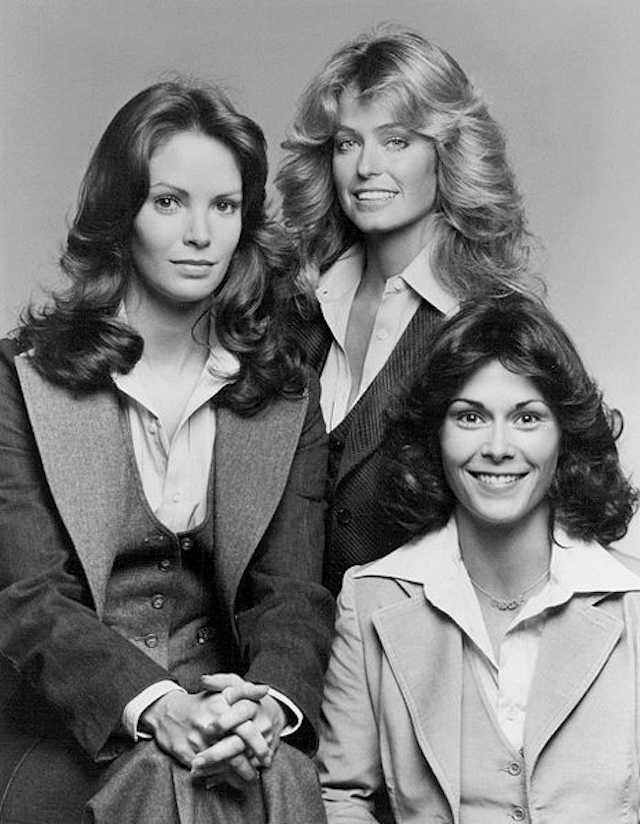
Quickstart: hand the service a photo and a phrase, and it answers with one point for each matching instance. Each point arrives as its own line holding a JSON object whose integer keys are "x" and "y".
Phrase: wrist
{"x": 149, "y": 720}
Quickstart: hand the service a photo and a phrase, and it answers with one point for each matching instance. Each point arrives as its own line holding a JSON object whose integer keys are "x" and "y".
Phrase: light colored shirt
{"x": 401, "y": 299}
{"x": 435, "y": 562}
{"x": 175, "y": 476}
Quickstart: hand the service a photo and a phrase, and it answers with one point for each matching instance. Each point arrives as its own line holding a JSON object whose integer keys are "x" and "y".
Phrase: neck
{"x": 389, "y": 253}
{"x": 505, "y": 559}
{"x": 173, "y": 336}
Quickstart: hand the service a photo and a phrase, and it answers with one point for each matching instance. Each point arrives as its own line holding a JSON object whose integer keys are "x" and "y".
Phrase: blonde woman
{"x": 397, "y": 189}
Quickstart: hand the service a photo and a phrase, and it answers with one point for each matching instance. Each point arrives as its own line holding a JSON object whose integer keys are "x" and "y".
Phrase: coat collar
{"x": 81, "y": 442}
{"x": 365, "y": 422}
{"x": 427, "y": 661}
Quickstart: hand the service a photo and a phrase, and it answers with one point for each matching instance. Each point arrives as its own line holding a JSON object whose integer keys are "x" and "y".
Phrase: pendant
{"x": 514, "y": 603}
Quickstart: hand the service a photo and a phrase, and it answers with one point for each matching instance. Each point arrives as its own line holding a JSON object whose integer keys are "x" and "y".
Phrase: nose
{"x": 369, "y": 160}
{"x": 197, "y": 231}
{"x": 498, "y": 446}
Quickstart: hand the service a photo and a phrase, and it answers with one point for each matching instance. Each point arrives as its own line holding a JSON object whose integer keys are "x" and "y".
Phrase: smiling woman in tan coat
{"x": 489, "y": 670}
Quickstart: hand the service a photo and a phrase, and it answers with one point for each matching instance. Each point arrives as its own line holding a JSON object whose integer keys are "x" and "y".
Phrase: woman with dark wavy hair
{"x": 489, "y": 669}
{"x": 163, "y": 631}
{"x": 397, "y": 189}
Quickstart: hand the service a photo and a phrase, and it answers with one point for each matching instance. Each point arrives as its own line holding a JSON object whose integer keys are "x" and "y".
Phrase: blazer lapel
{"x": 575, "y": 645}
{"x": 424, "y": 651}
{"x": 252, "y": 461}
{"x": 86, "y": 465}
{"x": 366, "y": 419}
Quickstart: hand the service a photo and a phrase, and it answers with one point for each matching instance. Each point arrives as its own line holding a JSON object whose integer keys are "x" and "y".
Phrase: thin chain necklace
{"x": 509, "y": 603}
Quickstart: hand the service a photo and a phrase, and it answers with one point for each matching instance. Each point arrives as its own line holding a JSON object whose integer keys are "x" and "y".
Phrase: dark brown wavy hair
{"x": 590, "y": 496}
{"x": 77, "y": 339}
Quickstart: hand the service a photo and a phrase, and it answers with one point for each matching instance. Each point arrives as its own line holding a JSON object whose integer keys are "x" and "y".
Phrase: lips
{"x": 498, "y": 479}
{"x": 193, "y": 262}
{"x": 374, "y": 195}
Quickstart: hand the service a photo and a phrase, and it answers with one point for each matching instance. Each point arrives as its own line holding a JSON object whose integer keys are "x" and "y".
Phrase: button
{"x": 157, "y": 602}
{"x": 335, "y": 444}
{"x": 165, "y": 564}
{"x": 382, "y": 334}
{"x": 186, "y": 544}
{"x": 343, "y": 516}
{"x": 398, "y": 284}
{"x": 151, "y": 641}
{"x": 514, "y": 768}
{"x": 152, "y": 428}
{"x": 518, "y": 814}
{"x": 176, "y": 498}
{"x": 204, "y": 634}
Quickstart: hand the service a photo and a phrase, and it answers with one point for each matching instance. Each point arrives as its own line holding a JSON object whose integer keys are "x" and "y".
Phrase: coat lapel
{"x": 253, "y": 457}
{"x": 86, "y": 465}
{"x": 366, "y": 419}
{"x": 575, "y": 645}
{"x": 427, "y": 664}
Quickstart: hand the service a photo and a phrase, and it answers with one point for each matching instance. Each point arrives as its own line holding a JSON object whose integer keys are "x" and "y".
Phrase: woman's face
{"x": 188, "y": 228}
{"x": 499, "y": 444}
{"x": 384, "y": 173}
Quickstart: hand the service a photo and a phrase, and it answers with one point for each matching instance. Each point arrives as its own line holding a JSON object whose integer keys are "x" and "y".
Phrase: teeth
{"x": 377, "y": 194}
{"x": 498, "y": 479}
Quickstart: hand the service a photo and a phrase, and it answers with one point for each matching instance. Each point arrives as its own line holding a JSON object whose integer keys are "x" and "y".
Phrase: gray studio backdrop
{"x": 563, "y": 76}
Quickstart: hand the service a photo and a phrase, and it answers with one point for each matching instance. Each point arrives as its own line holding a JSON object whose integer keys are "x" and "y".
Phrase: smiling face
{"x": 384, "y": 173}
{"x": 188, "y": 228}
{"x": 499, "y": 444}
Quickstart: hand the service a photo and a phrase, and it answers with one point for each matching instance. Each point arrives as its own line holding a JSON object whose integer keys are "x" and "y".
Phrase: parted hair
{"x": 481, "y": 243}
{"x": 590, "y": 496}
{"x": 77, "y": 338}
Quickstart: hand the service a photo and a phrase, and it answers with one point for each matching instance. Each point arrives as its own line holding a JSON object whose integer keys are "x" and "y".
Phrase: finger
{"x": 236, "y": 690}
{"x": 246, "y": 740}
{"x": 227, "y": 721}
{"x": 218, "y": 681}
{"x": 205, "y": 765}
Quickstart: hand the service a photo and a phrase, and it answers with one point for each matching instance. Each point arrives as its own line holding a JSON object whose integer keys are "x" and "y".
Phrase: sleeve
{"x": 55, "y": 653}
{"x": 348, "y": 760}
{"x": 285, "y": 615}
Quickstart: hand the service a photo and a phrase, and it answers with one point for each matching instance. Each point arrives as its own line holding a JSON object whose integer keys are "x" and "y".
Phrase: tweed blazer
{"x": 63, "y": 458}
{"x": 393, "y": 699}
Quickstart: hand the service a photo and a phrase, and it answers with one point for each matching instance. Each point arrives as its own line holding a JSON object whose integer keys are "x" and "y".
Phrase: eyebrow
{"x": 480, "y": 405}
{"x": 382, "y": 128}
{"x": 163, "y": 184}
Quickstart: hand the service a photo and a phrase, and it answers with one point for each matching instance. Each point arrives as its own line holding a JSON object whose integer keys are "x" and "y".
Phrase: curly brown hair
{"x": 590, "y": 496}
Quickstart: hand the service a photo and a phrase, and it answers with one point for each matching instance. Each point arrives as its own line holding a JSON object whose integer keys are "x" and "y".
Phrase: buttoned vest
{"x": 161, "y": 594}
{"x": 355, "y": 531}
{"x": 490, "y": 767}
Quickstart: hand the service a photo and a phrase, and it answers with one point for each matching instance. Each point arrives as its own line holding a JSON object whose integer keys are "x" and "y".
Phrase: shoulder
{"x": 367, "y": 593}
{"x": 8, "y": 350}
{"x": 631, "y": 562}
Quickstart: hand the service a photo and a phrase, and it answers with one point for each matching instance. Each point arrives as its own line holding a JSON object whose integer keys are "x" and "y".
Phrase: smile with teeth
{"x": 375, "y": 194}
{"x": 496, "y": 480}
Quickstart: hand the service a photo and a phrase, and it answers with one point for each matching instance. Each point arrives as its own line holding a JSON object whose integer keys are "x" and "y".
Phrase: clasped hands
{"x": 224, "y": 734}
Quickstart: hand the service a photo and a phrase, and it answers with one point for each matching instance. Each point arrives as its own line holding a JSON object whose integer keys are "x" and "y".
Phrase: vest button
{"x": 157, "y": 602}
{"x": 165, "y": 564}
{"x": 204, "y": 634}
{"x": 186, "y": 544}
{"x": 518, "y": 814}
{"x": 335, "y": 444}
{"x": 514, "y": 768}
{"x": 343, "y": 516}
{"x": 151, "y": 641}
